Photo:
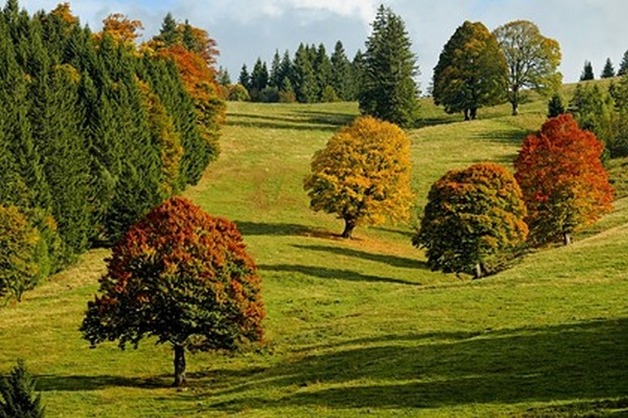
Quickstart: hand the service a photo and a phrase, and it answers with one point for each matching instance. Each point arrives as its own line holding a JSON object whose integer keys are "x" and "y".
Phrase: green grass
{"x": 357, "y": 327}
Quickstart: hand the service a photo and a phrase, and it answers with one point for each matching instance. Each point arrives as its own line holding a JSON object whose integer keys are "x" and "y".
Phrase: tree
{"x": 562, "y": 179}
{"x": 594, "y": 110}
{"x": 181, "y": 276}
{"x": 473, "y": 220}
{"x": 122, "y": 29}
{"x": 305, "y": 83}
{"x": 532, "y": 59}
{"x": 623, "y": 66}
{"x": 323, "y": 71}
{"x": 19, "y": 397}
{"x": 587, "y": 72}
{"x": 275, "y": 76}
{"x": 341, "y": 72}
{"x": 555, "y": 106}
{"x": 18, "y": 245}
{"x": 168, "y": 34}
{"x": 389, "y": 91}
{"x": 245, "y": 78}
{"x": 609, "y": 70}
{"x": 259, "y": 79}
{"x": 471, "y": 71}
{"x": 362, "y": 175}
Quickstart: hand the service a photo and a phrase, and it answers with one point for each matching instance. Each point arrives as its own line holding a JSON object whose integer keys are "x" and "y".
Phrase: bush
{"x": 238, "y": 93}
{"x": 19, "y": 243}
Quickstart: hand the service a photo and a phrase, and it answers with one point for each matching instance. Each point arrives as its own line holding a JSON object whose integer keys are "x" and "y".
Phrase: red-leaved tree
{"x": 562, "y": 179}
{"x": 183, "y": 277}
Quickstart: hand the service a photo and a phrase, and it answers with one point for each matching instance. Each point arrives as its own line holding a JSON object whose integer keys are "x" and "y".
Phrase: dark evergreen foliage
{"x": 93, "y": 132}
{"x": 609, "y": 70}
{"x": 389, "y": 91}
{"x": 18, "y": 395}
{"x": 555, "y": 106}
{"x": 623, "y": 66}
{"x": 587, "y": 72}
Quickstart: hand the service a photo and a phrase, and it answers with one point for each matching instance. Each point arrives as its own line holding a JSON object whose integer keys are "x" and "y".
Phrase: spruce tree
{"x": 609, "y": 70}
{"x": 323, "y": 71}
{"x": 555, "y": 106}
{"x": 305, "y": 83}
{"x": 18, "y": 395}
{"x": 587, "y": 72}
{"x": 341, "y": 72}
{"x": 245, "y": 78}
{"x": 275, "y": 76}
{"x": 623, "y": 66}
{"x": 389, "y": 91}
{"x": 168, "y": 33}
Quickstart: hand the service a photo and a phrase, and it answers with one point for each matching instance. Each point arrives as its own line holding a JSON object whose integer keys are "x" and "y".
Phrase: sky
{"x": 591, "y": 30}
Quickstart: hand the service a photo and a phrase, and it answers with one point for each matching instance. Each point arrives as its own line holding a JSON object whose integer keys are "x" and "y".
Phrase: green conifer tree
{"x": 609, "y": 70}
{"x": 19, "y": 396}
{"x": 389, "y": 91}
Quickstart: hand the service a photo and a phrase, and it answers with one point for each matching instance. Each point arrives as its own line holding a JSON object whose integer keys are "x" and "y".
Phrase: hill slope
{"x": 361, "y": 326}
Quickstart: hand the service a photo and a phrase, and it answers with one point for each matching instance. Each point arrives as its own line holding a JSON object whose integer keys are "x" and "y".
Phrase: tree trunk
{"x": 349, "y": 227}
{"x": 478, "y": 271}
{"x": 567, "y": 238}
{"x": 179, "y": 366}
{"x": 466, "y": 114}
{"x": 515, "y": 101}
{"x": 474, "y": 113}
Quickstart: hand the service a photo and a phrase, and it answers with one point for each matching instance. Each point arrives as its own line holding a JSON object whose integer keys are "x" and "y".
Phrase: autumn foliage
{"x": 363, "y": 174}
{"x": 18, "y": 244}
{"x": 473, "y": 220}
{"x": 181, "y": 276}
{"x": 563, "y": 181}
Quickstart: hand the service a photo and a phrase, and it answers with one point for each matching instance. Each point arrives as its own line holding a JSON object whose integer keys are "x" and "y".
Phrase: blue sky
{"x": 245, "y": 29}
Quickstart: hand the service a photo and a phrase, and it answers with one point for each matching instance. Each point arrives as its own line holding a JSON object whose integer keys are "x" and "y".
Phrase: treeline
{"x": 608, "y": 71}
{"x": 310, "y": 76}
{"x": 94, "y": 132}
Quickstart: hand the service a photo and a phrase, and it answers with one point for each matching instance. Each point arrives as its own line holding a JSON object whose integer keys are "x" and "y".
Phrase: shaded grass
{"x": 362, "y": 326}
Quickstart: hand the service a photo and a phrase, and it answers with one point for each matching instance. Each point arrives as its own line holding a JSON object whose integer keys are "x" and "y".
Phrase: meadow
{"x": 362, "y": 326}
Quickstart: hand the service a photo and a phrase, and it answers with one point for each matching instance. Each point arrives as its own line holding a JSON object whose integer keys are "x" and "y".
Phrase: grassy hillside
{"x": 357, "y": 327}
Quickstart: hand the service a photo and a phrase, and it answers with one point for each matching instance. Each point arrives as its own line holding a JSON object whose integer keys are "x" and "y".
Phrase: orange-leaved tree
{"x": 473, "y": 221}
{"x": 181, "y": 276}
{"x": 363, "y": 174}
{"x": 563, "y": 181}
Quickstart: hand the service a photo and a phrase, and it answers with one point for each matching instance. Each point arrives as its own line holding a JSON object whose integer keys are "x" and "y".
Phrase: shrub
{"x": 19, "y": 399}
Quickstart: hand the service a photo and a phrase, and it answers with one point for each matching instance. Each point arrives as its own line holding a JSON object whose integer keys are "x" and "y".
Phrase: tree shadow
{"x": 306, "y": 123}
{"x": 408, "y": 233}
{"x": 505, "y": 136}
{"x": 338, "y": 274}
{"x": 391, "y": 260}
{"x": 573, "y": 362}
{"x": 282, "y": 229}
{"x": 72, "y": 383}
{"x": 328, "y": 118}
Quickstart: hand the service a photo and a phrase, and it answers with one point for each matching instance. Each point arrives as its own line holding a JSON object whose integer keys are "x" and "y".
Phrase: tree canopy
{"x": 363, "y": 174}
{"x": 471, "y": 71}
{"x": 532, "y": 59}
{"x": 473, "y": 220}
{"x": 181, "y": 276}
{"x": 563, "y": 181}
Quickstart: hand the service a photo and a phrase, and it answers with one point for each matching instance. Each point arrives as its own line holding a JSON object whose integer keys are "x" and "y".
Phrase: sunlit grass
{"x": 356, "y": 327}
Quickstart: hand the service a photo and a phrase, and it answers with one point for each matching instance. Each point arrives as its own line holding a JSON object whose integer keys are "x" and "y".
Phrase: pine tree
{"x": 587, "y": 72}
{"x": 341, "y": 72}
{"x": 168, "y": 33}
{"x": 323, "y": 71}
{"x": 609, "y": 70}
{"x": 389, "y": 91}
{"x": 245, "y": 78}
{"x": 275, "y": 77}
{"x": 555, "y": 106}
{"x": 305, "y": 83}
{"x": 19, "y": 397}
{"x": 259, "y": 79}
{"x": 623, "y": 66}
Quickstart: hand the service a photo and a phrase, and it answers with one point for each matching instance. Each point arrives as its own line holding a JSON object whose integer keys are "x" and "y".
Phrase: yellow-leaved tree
{"x": 363, "y": 175}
